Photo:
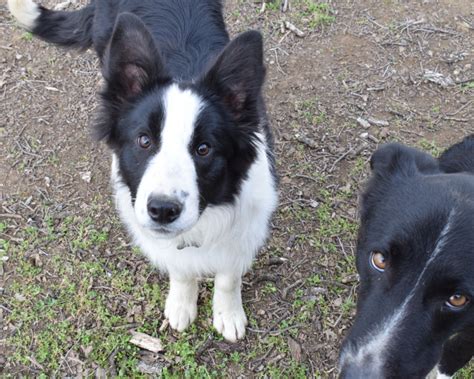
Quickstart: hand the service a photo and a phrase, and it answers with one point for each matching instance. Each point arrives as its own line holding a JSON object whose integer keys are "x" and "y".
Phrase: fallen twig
{"x": 363, "y": 122}
{"x": 146, "y": 342}
{"x": 307, "y": 141}
{"x": 376, "y": 122}
{"x": 294, "y": 29}
{"x": 438, "y": 78}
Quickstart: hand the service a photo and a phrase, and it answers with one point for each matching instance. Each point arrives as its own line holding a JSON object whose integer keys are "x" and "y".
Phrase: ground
{"x": 72, "y": 285}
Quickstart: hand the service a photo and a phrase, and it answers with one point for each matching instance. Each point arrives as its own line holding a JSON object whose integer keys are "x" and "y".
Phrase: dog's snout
{"x": 164, "y": 210}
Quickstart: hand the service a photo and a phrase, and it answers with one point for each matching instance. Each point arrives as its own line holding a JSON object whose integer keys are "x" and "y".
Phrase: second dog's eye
{"x": 203, "y": 149}
{"x": 144, "y": 141}
{"x": 457, "y": 301}
{"x": 378, "y": 261}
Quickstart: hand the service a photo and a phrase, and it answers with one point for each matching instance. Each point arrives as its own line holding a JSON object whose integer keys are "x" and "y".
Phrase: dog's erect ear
{"x": 132, "y": 60}
{"x": 459, "y": 157}
{"x": 395, "y": 158}
{"x": 238, "y": 73}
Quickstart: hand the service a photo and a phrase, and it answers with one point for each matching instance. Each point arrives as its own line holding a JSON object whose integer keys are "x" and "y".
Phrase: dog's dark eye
{"x": 457, "y": 301}
{"x": 144, "y": 141}
{"x": 378, "y": 261}
{"x": 203, "y": 149}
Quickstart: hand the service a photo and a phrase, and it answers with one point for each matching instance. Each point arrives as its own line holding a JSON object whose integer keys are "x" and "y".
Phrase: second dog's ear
{"x": 238, "y": 73}
{"x": 132, "y": 60}
{"x": 395, "y": 158}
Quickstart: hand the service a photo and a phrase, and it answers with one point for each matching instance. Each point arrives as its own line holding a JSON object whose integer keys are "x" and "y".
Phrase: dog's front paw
{"x": 181, "y": 303}
{"x": 230, "y": 323}
{"x": 179, "y": 313}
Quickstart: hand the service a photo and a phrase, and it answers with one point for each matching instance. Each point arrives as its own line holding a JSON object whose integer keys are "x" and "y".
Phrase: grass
{"x": 79, "y": 303}
{"x": 469, "y": 86}
{"x": 87, "y": 305}
{"x": 430, "y": 147}
{"x": 318, "y": 13}
{"x": 466, "y": 372}
{"x": 27, "y": 36}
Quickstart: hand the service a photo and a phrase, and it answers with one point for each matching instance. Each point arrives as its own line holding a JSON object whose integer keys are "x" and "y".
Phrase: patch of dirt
{"x": 333, "y": 96}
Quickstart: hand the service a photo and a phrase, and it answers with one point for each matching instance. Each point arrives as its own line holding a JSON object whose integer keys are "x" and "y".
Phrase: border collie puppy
{"x": 415, "y": 257}
{"x": 182, "y": 111}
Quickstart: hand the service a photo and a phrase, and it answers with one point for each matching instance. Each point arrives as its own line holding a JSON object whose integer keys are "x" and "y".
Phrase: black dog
{"x": 415, "y": 257}
{"x": 183, "y": 113}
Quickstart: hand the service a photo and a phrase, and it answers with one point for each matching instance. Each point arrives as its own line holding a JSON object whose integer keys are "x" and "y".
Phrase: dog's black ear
{"x": 132, "y": 60}
{"x": 459, "y": 157}
{"x": 238, "y": 73}
{"x": 395, "y": 158}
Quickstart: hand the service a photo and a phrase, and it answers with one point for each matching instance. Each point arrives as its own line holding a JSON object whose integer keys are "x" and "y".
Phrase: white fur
{"x": 375, "y": 347}
{"x": 436, "y": 374}
{"x": 181, "y": 303}
{"x": 171, "y": 172}
{"x": 440, "y": 375}
{"x": 222, "y": 243}
{"x": 26, "y": 12}
{"x": 229, "y": 315}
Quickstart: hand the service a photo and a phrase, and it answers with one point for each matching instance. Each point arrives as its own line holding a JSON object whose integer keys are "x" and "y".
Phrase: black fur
{"x": 408, "y": 202}
{"x": 68, "y": 29}
{"x": 459, "y": 158}
{"x": 145, "y": 46}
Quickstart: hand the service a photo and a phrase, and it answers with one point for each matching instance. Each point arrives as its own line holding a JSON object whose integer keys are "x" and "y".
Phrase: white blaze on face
{"x": 373, "y": 351}
{"x": 171, "y": 172}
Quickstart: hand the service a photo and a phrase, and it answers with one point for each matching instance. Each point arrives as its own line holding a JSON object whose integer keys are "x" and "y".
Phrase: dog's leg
{"x": 456, "y": 353}
{"x": 181, "y": 303}
{"x": 229, "y": 315}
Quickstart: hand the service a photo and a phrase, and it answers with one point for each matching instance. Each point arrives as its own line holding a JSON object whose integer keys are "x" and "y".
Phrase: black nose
{"x": 164, "y": 210}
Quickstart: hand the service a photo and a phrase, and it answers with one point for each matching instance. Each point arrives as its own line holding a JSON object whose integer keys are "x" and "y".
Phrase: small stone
{"x": 86, "y": 176}
{"x": 19, "y": 297}
{"x": 337, "y": 302}
{"x": 313, "y": 203}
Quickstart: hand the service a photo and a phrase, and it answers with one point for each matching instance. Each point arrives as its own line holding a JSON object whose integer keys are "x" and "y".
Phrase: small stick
{"x": 294, "y": 29}
{"x": 146, "y": 342}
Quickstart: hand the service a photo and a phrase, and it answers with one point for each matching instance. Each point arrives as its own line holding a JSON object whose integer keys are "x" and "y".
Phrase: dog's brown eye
{"x": 144, "y": 141}
{"x": 457, "y": 301}
{"x": 378, "y": 261}
{"x": 203, "y": 149}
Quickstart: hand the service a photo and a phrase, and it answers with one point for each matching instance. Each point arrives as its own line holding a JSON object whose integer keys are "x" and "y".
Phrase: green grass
{"x": 80, "y": 307}
{"x": 469, "y": 86}
{"x": 46, "y": 313}
{"x": 430, "y": 147}
{"x": 466, "y": 372}
{"x": 319, "y": 13}
{"x": 27, "y": 36}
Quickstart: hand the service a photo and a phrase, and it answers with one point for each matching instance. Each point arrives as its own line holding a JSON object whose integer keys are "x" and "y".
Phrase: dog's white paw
{"x": 181, "y": 303}
{"x": 180, "y": 314}
{"x": 231, "y": 324}
{"x": 229, "y": 315}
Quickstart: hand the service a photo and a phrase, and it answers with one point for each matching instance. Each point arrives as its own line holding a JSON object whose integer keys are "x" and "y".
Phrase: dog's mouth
{"x": 163, "y": 232}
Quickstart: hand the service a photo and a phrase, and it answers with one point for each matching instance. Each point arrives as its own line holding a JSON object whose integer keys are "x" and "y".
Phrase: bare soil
{"x": 72, "y": 286}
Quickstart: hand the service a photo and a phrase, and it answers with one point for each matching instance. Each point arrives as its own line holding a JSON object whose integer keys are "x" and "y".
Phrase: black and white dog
{"x": 415, "y": 257}
{"x": 184, "y": 117}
